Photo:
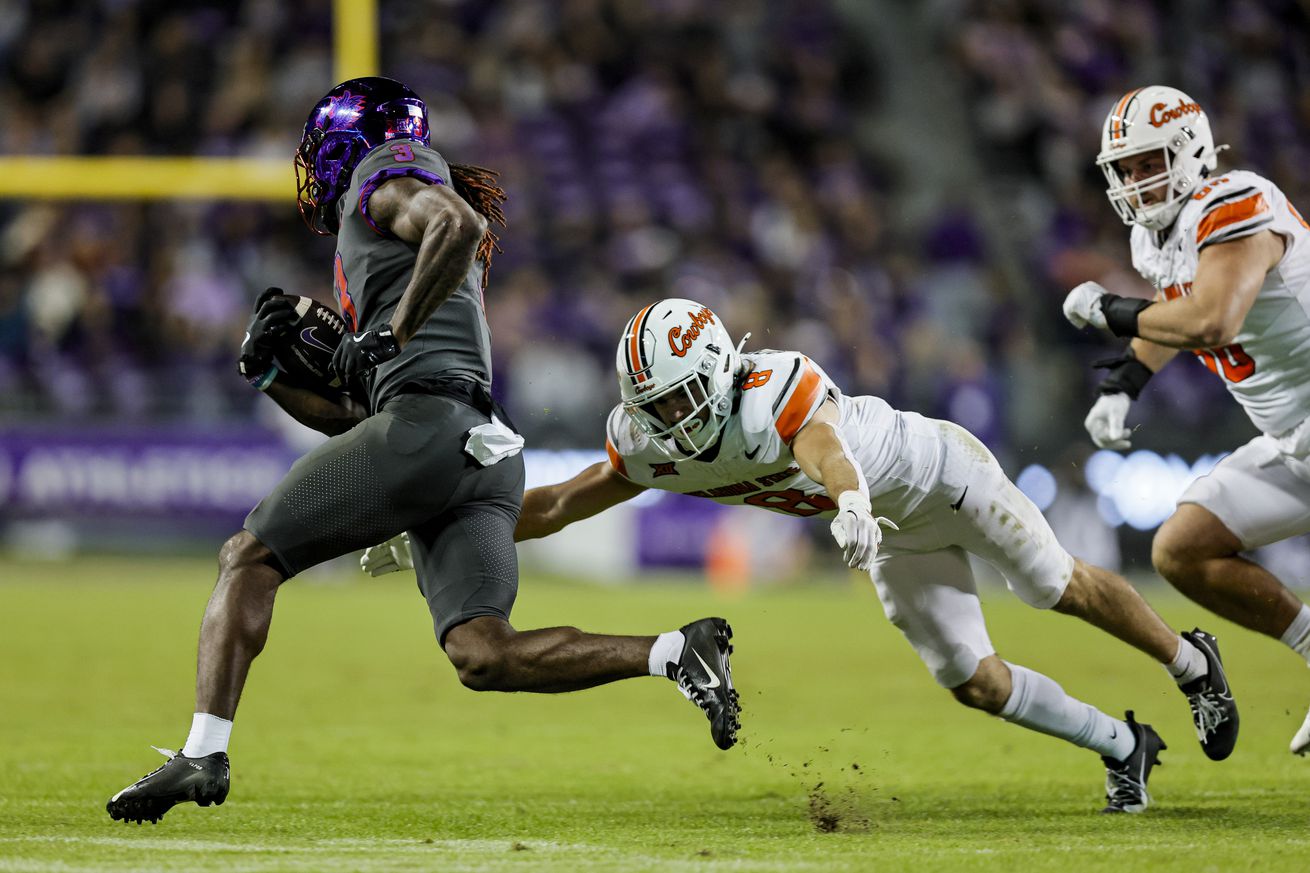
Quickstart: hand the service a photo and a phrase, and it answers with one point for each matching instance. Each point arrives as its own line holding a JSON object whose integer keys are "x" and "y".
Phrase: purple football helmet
{"x": 354, "y": 118}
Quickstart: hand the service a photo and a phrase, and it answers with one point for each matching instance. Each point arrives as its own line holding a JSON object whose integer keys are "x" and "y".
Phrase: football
{"x": 304, "y": 353}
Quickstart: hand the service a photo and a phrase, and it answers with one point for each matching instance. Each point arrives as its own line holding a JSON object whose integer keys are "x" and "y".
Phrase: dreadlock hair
{"x": 477, "y": 185}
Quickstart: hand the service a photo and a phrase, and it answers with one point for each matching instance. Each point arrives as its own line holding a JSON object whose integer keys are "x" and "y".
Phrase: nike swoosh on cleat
{"x": 750, "y": 456}
{"x": 714, "y": 683}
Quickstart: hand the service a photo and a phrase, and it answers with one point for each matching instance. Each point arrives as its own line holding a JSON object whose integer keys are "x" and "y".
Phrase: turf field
{"x": 357, "y": 750}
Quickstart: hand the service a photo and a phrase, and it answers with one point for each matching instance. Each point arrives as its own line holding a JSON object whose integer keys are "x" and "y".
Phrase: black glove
{"x": 275, "y": 313}
{"x": 1127, "y": 375}
{"x": 360, "y": 352}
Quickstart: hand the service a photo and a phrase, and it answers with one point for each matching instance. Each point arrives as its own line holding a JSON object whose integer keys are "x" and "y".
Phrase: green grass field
{"x": 357, "y": 750}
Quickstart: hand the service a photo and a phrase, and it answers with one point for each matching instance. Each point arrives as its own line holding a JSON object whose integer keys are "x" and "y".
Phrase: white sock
{"x": 1297, "y": 635}
{"x": 209, "y": 734}
{"x": 1189, "y": 664}
{"x": 668, "y": 647}
{"x": 1040, "y": 704}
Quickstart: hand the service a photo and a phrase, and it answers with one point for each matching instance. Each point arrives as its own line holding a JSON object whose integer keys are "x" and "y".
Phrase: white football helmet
{"x": 673, "y": 346}
{"x": 1149, "y": 119}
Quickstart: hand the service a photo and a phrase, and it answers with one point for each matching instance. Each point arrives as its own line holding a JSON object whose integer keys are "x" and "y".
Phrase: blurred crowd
{"x": 1041, "y": 75}
{"x": 662, "y": 148}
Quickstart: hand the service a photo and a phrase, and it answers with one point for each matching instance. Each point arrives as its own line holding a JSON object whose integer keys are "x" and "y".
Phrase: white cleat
{"x": 1301, "y": 742}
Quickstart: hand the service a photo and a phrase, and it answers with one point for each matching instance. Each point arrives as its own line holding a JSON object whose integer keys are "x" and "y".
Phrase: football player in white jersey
{"x": 770, "y": 429}
{"x": 1230, "y": 259}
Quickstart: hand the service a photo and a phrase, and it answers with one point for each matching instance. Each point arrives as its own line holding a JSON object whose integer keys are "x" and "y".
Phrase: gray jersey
{"x": 373, "y": 268}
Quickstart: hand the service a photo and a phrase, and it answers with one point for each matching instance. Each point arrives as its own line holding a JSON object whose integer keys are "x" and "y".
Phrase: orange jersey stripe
{"x": 616, "y": 460}
{"x": 1231, "y": 213}
{"x": 634, "y": 346}
{"x": 799, "y": 405}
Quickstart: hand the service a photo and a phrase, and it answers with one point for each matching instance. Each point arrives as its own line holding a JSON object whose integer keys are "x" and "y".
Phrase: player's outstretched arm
{"x": 824, "y": 456}
{"x": 551, "y": 508}
{"x": 446, "y": 230}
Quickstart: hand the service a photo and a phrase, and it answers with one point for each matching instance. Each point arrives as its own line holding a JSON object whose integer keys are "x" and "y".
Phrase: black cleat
{"x": 1213, "y": 710}
{"x": 203, "y": 780}
{"x": 1125, "y": 781}
{"x": 704, "y": 677}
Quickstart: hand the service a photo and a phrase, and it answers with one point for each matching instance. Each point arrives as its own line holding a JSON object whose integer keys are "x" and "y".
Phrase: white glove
{"x": 1083, "y": 306}
{"x": 389, "y": 557}
{"x": 1105, "y": 422}
{"x": 856, "y": 531}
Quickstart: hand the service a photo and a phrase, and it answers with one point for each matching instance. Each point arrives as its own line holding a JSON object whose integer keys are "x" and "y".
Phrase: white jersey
{"x": 1267, "y": 367}
{"x": 900, "y": 453}
{"x": 941, "y": 486}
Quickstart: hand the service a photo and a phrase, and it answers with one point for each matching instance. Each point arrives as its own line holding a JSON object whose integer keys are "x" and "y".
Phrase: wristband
{"x": 854, "y": 501}
{"x": 1121, "y": 313}
{"x": 1127, "y": 375}
{"x": 262, "y": 383}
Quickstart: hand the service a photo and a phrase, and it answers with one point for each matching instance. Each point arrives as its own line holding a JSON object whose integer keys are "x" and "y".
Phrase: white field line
{"x": 448, "y": 856}
{"x": 342, "y": 845}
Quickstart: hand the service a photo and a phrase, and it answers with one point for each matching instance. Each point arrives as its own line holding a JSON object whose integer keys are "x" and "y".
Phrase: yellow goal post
{"x": 29, "y": 177}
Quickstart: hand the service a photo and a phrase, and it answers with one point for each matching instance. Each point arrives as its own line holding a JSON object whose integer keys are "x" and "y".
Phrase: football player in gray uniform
{"x": 428, "y": 452}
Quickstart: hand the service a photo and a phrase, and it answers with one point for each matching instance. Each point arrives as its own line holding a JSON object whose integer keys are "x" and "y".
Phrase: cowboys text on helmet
{"x": 1160, "y": 113}
{"x": 680, "y": 342}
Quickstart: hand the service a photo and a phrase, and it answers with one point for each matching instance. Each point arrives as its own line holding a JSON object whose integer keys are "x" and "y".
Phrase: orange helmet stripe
{"x": 1117, "y": 116}
{"x": 634, "y": 346}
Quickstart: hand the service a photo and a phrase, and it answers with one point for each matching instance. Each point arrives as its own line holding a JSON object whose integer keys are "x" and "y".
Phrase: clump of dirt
{"x": 838, "y": 795}
{"x": 833, "y": 811}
